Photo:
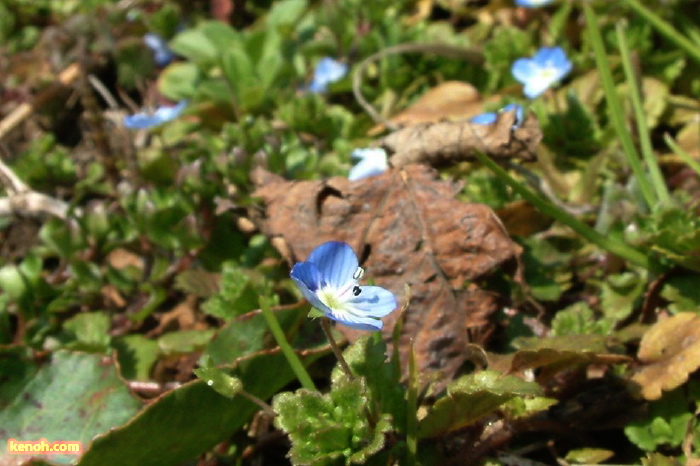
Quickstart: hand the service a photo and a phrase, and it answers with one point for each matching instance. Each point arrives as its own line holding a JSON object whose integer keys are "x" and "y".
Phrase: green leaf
{"x": 327, "y": 428}
{"x": 220, "y": 381}
{"x": 236, "y": 296}
{"x": 472, "y": 397}
{"x": 666, "y": 421}
{"x": 136, "y": 355}
{"x": 74, "y": 396}
{"x": 195, "y": 45}
{"x": 247, "y": 334}
{"x": 367, "y": 358}
{"x": 579, "y": 319}
{"x": 91, "y": 330}
{"x": 620, "y": 294}
{"x": 185, "y": 341}
{"x": 179, "y": 81}
{"x": 190, "y": 420}
{"x": 286, "y": 13}
{"x": 683, "y": 292}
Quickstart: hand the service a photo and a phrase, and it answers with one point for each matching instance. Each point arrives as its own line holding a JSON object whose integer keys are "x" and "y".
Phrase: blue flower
{"x": 161, "y": 115}
{"x": 329, "y": 281}
{"x": 373, "y": 161}
{"x": 489, "y": 118}
{"x": 545, "y": 68}
{"x": 327, "y": 71}
{"x": 532, "y": 3}
{"x": 162, "y": 54}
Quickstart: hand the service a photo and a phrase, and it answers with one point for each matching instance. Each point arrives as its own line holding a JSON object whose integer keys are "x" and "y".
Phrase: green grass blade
{"x": 616, "y": 111}
{"x": 292, "y": 358}
{"x": 657, "y": 179}
{"x": 618, "y": 248}
{"x": 684, "y": 156}
{"x": 666, "y": 30}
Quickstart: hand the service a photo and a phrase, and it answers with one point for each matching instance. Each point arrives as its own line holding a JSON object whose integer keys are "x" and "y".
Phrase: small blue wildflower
{"x": 162, "y": 115}
{"x": 162, "y": 54}
{"x": 546, "y": 67}
{"x": 329, "y": 281}
{"x": 327, "y": 71}
{"x": 373, "y": 161}
{"x": 489, "y": 118}
{"x": 532, "y": 3}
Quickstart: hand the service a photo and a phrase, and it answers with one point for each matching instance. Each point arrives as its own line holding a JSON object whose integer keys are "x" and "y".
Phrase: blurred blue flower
{"x": 489, "y": 118}
{"x": 161, "y": 115}
{"x": 328, "y": 279}
{"x": 162, "y": 54}
{"x": 373, "y": 161}
{"x": 546, "y": 67}
{"x": 327, "y": 71}
{"x": 532, "y": 3}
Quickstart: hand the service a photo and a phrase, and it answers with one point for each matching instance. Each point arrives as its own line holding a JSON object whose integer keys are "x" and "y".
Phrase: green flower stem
{"x": 686, "y": 157}
{"x": 615, "y": 107}
{"x": 292, "y": 358}
{"x": 267, "y": 409}
{"x": 334, "y": 346}
{"x": 665, "y": 29}
{"x": 412, "y": 409}
{"x": 657, "y": 178}
{"x": 618, "y": 248}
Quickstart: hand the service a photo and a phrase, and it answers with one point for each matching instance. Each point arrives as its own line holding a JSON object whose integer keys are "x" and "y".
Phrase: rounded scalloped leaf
{"x": 670, "y": 350}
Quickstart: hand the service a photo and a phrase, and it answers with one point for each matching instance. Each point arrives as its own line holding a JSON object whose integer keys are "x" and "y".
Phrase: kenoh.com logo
{"x": 43, "y": 447}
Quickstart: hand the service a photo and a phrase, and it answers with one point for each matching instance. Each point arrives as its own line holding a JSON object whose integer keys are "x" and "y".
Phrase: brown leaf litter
{"x": 407, "y": 228}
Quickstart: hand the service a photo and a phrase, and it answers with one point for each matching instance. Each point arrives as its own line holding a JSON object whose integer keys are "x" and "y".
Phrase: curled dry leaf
{"x": 447, "y": 143}
{"x": 451, "y": 99}
{"x": 407, "y": 228}
{"x": 670, "y": 350}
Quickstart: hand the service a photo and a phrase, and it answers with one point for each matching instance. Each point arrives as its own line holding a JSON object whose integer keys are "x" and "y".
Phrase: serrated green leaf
{"x": 331, "y": 426}
{"x": 367, "y": 358}
{"x": 91, "y": 330}
{"x": 619, "y": 295}
{"x": 472, "y": 397}
{"x": 683, "y": 292}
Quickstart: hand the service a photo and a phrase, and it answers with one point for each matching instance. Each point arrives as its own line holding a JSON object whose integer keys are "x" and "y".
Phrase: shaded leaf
{"x": 471, "y": 397}
{"x": 75, "y": 396}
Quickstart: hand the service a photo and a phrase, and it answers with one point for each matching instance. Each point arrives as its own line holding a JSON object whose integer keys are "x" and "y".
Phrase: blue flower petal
{"x": 336, "y": 262}
{"x": 374, "y": 301}
{"x": 372, "y": 162}
{"x": 162, "y": 54}
{"x": 487, "y": 118}
{"x": 327, "y": 71}
{"x": 308, "y": 279}
{"x": 524, "y": 69}
{"x": 532, "y": 3}
{"x": 538, "y": 73}
{"x": 359, "y": 323}
{"x": 161, "y": 115}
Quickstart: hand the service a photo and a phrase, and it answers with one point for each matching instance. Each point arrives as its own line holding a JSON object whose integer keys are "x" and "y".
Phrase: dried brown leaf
{"x": 407, "y": 229}
{"x": 451, "y": 99}
{"x": 447, "y": 143}
{"x": 671, "y": 351}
